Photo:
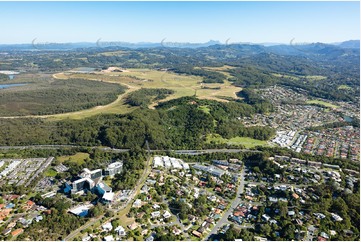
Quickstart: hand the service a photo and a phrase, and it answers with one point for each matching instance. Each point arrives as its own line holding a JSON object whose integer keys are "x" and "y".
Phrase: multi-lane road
{"x": 109, "y": 149}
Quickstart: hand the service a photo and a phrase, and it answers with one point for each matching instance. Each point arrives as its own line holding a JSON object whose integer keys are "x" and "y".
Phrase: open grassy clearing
{"x": 223, "y": 69}
{"x": 322, "y": 103}
{"x": 315, "y": 78}
{"x": 50, "y": 172}
{"x": 344, "y": 87}
{"x": 78, "y": 158}
{"x": 295, "y": 78}
{"x": 247, "y": 142}
{"x": 134, "y": 79}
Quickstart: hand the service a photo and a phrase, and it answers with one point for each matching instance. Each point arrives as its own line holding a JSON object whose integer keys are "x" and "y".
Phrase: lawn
{"x": 50, "y": 172}
{"x": 78, "y": 158}
{"x": 246, "y": 141}
{"x": 322, "y": 103}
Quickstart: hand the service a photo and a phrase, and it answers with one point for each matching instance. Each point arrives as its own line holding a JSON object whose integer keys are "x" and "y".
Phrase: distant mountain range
{"x": 273, "y": 47}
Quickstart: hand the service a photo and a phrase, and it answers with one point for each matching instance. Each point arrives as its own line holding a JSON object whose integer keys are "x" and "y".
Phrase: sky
{"x": 196, "y": 22}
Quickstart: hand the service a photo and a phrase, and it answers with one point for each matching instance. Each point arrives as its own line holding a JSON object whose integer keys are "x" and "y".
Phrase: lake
{"x": 5, "y": 86}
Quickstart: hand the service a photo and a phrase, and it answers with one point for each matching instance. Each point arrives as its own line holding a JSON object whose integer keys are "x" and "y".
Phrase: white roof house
{"x": 167, "y": 214}
{"x": 120, "y": 230}
{"x": 109, "y": 238}
{"x": 155, "y": 214}
{"x": 107, "y": 226}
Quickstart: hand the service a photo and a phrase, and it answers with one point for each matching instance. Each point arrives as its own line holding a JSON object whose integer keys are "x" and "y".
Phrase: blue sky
{"x": 258, "y": 22}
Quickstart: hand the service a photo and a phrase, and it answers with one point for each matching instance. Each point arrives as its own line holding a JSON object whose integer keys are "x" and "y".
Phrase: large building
{"x": 83, "y": 184}
{"x": 214, "y": 171}
{"x": 169, "y": 163}
{"x": 88, "y": 180}
{"x": 114, "y": 168}
{"x": 95, "y": 174}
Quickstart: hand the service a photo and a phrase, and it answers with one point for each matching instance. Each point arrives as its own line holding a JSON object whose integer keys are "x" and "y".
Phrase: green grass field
{"x": 50, "y": 172}
{"x": 322, "y": 103}
{"x": 247, "y": 142}
{"x": 78, "y": 158}
{"x": 344, "y": 87}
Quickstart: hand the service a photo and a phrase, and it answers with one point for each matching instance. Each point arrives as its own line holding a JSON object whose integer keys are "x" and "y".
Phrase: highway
{"x": 179, "y": 152}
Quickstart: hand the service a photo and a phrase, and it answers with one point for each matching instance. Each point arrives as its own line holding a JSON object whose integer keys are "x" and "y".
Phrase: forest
{"x": 58, "y": 96}
{"x": 176, "y": 124}
{"x": 146, "y": 96}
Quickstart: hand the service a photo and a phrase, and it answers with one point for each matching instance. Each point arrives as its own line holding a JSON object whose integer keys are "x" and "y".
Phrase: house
{"x": 238, "y": 213}
{"x": 137, "y": 203}
{"x": 155, "y": 214}
{"x": 336, "y": 217}
{"x": 108, "y": 238}
{"x": 217, "y": 211}
{"x": 176, "y": 231}
{"x": 144, "y": 189}
{"x": 120, "y": 230}
{"x": 212, "y": 198}
{"x": 273, "y": 199}
{"x": 272, "y": 221}
{"x": 291, "y": 213}
{"x": 319, "y": 215}
{"x": 133, "y": 226}
{"x": 191, "y": 218}
{"x": 140, "y": 214}
{"x": 167, "y": 214}
{"x": 196, "y": 233}
{"x": 28, "y": 205}
{"x": 6, "y": 231}
{"x": 156, "y": 206}
{"x": 201, "y": 229}
{"x": 16, "y": 232}
{"x": 4, "y": 213}
{"x": 295, "y": 196}
{"x": 299, "y": 222}
{"x": 150, "y": 238}
{"x": 265, "y": 217}
{"x": 107, "y": 227}
{"x": 38, "y": 218}
{"x": 324, "y": 235}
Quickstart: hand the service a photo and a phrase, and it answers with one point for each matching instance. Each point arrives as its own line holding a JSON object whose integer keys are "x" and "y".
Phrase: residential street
{"x": 236, "y": 201}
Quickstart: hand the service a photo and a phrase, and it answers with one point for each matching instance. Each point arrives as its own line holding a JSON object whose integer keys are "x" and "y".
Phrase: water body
{"x": 347, "y": 119}
{"x": 5, "y": 86}
{"x": 83, "y": 70}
